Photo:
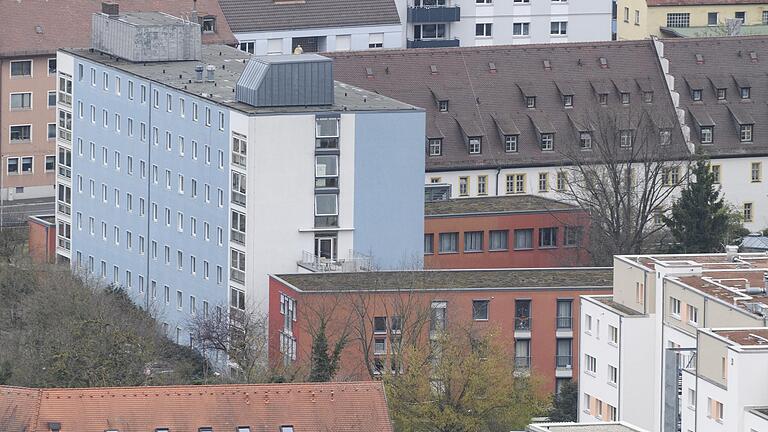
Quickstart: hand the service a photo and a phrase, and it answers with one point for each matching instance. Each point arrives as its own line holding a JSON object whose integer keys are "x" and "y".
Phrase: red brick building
{"x": 504, "y": 232}
{"x": 312, "y": 407}
{"x": 42, "y": 238}
{"x": 534, "y": 309}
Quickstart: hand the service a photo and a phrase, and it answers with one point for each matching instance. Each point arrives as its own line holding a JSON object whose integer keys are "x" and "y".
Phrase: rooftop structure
{"x": 343, "y": 407}
{"x": 437, "y": 280}
{"x": 495, "y": 205}
{"x": 584, "y": 427}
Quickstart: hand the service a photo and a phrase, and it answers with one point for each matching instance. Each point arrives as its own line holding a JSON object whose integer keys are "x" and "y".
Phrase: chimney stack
{"x": 111, "y": 9}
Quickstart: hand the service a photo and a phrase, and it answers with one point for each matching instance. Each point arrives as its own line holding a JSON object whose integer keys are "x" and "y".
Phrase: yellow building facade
{"x": 640, "y": 19}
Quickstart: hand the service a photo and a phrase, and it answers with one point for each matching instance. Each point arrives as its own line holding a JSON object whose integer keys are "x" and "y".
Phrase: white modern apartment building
{"x": 648, "y": 357}
{"x": 189, "y": 172}
{"x": 281, "y": 26}
{"x": 446, "y": 23}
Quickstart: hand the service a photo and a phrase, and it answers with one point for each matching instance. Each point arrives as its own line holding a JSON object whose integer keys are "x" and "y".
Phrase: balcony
{"x": 433, "y": 14}
{"x": 238, "y": 198}
{"x": 355, "y": 262}
{"x": 237, "y": 275}
{"x": 523, "y": 323}
{"x": 564, "y": 323}
{"x": 522, "y": 362}
{"x": 564, "y": 361}
{"x": 237, "y": 236}
{"x": 432, "y": 43}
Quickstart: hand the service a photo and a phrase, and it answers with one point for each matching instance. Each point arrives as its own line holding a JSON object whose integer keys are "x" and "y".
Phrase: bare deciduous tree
{"x": 625, "y": 171}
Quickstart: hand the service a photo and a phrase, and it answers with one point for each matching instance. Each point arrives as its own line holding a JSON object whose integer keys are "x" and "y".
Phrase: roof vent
{"x": 110, "y": 9}
{"x": 731, "y": 252}
{"x": 492, "y": 67}
{"x": 699, "y": 59}
{"x": 39, "y": 29}
{"x": 603, "y": 63}
{"x": 199, "y": 73}
{"x": 753, "y": 57}
{"x": 54, "y": 426}
{"x": 210, "y": 72}
{"x": 286, "y": 80}
{"x": 547, "y": 65}
{"x": 369, "y": 72}
{"x": 433, "y": 69}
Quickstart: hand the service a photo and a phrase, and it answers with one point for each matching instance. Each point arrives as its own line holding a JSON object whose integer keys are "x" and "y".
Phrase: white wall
{"x": 598, "y": 345}
{"x": 737, "y": 187}
{"x": 393, "y": 37}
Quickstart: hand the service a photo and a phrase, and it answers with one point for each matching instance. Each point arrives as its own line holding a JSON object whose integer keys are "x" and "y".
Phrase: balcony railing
{"x": 564, "y": 361}
{"x": 434, "y": 14}
{"x": 432, "y": 43}
{"x": 523, "y": 323}
{"x": 522, "y": 362}
{"x": 238, "y": 198}
{"x": 355, "y": 262}
{"x": 64, "y": 208}
{"x": 565, "y": 322}
{"x": 237, "y": 237}
{"x": 65, "y": 172}
{"x": 64, "y": 243}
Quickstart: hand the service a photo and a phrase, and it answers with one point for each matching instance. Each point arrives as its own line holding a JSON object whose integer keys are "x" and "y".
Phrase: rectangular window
{"x": 480, "y": 310}
{"x": 23, "y": 101}
{"x": 756, "y": 172}
{"x": 435, "y": 146}
{"x": 482, "y": 185}
{"x": 564, "y": 314}
{"x": 590, "y": 363}
{"x": 625, "y": 138}
{"x": 547, "y": 237}
{"x": 429, "y": 244}
{"x": 21, "y": 133}
{"x": 706, "y": 134}
{"x": 558, "y": 28}
{"x": 747, "y": 212}
{"x": 613, "y": 333}
{"x": 498, "y": 240}
{"x": 475, "y": 145}
{"x": 449, "y": 242}
{"x": 613, "y": 374}
{"x": 547, "y": 141}
{"x": 524, "y": 238}
{"x": 473, "y": 241}
{"x": 510, "y": 143}
{"x": 463, "y": 186}
{"x": 680, "y": 19}
{"x": 585, "y": 140}
{"x": 21, "y": 68}
{"x": 543, "y": 182}
{"x": 484, "y": 30}
{"x": 521, "y": 29}
{"x": 712, "y": 18}
{"x": 573, "y": 235}
{"x": 693, "y": 315}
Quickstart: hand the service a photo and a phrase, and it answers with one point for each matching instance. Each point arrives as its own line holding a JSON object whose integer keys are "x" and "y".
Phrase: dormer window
{"x": 547, "y": 141}
{"x": 208, "y": 24}
{"x": 745, "y": 133}
{"x": 625, "y": 98}
{"x": 568, "y": 100}
{"x": 744, "y": 92}
{"x": 435, "y": 146}
{"x": 721, "y": 93}
{"x": 475, "y": 145}
{"x": 696, "y": 95}
{"x": 510, "y": 143}
{"x": 625, "y": 138}
{"x": 585, "y": 140}
{"x": 530, "y": 101}
{"x": 442, "y": 105}
{"x": 602, "y": 98}
{"x": 706, "y": 134}
{"x": 665, "y": 137}
{"x": 648, "y": 97}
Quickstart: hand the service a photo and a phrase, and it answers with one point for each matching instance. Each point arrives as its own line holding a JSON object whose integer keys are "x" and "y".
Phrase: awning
{"x": 439, "y": 93}
{"x": 527, "y": 89}
{"x": 541, "y": 122}
{"x": 565, "y": 88}
{"x": 505, "y": 124}
{"x": 720, "y": 81}
{"x": 601, "y": 87}
{"x": 742, "y": 82}
{"x": 701, "y": 116}
{"x": 470, "y": 127}
{"x": 741, "y": 115}
{"x": 695, "y": 82}
{"x": 644, "y": 84}
{"x": 623, "y": 85}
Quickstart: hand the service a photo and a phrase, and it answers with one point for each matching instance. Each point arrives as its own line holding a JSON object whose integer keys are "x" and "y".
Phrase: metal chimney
{"x": 731, "y": 252}
{"x": 199, "y": 73}
{"x": 209, "y": 72}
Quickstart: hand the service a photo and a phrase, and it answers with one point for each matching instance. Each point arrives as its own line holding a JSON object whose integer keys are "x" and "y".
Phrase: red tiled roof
{"x": 703, "y": 2}
{"x": 41, "y": 27}
{"x": 338, "y": 407}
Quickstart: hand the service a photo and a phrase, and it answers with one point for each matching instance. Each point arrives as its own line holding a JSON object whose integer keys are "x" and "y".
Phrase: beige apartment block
{"x": 640, "y": 19}
{"x": 28, "y": 88}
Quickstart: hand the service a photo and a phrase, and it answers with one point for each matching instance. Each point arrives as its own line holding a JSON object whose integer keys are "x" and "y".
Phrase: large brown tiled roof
{"x": 726, "y": 63}
{"x": 560, "y": 278}
{"x": 485, "y": 89}
{"x": 495, "y": 205}
{"x": 266, "y": 15}
{"x": 703, "y": 2}
{"x": 316, "y": 407}
{"x": 33, "y": 27}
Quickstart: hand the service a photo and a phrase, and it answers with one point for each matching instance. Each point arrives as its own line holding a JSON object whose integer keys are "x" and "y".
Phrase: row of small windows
{"x": 126, "y": 280}
{"x": 23, "y": 101}
{"x": 24, "y": 68}
{"x": 498, "y": 240}
{"x": 707, "y": 133}
{"x": 127, "y": 238}
{"x": 23, "y": 165}
{"x": 697, "y": 94}
{"x": 568, "y": 99}
{"x": 116, "y": 83}
{"x": 556, "y": 28}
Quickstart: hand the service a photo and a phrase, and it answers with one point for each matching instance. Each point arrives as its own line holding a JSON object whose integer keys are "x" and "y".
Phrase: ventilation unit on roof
{"x": 286, "y": 80}
{"x": 757, "y": 308}
{"x": 433, "y": 69}
{"x": 731, "y": 252}
{"x": 603, "y": 63}
{"x": 547, "y": 65}
{"x": 699, "y": 59}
